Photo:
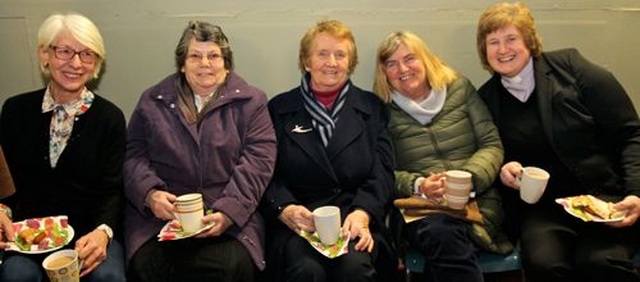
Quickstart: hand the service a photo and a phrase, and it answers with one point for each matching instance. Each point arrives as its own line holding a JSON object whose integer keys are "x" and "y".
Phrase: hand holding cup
{"x": 532, "y": 182}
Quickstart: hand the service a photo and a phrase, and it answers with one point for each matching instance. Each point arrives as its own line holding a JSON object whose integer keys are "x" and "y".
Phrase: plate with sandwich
{"x": 41, "y": 235}
{"x": 590, "y": 208}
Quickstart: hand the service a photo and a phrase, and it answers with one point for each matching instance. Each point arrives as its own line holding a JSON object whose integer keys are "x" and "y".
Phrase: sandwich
{"x": 594, "y": 207}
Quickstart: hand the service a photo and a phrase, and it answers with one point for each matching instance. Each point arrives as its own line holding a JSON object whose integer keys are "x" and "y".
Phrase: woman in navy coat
{"x": 333, "y": 149}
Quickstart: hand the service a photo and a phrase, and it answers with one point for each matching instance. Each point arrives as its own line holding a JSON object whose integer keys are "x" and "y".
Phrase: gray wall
{"x": 141, "y": 35}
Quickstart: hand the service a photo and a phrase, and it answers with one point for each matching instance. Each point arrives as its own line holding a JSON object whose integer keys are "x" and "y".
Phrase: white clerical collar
{"x": 521, "y": 86}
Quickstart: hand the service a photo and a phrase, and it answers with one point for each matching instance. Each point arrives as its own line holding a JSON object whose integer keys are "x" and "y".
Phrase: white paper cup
{"x": 533, "y": 181}
{"x": 458, "y": 176}
{"x": 189, "y": 198}
{"x": 457, "y": 203}
{"x": 458, "y": 183}
{"x": 327, "y": 222}
{"x": 190, "y": 211}
{"x": 62, "y": 266}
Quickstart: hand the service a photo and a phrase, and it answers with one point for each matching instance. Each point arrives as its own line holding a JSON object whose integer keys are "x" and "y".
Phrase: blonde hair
{"x": 501, "y": 15}
{"x": 80, "y": 27}
{"x": 438, "y": 73}
{"x": 335, "y": 29}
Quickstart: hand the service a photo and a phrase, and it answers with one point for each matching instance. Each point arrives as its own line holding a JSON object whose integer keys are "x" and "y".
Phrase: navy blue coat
{"x": 354, "y": 171}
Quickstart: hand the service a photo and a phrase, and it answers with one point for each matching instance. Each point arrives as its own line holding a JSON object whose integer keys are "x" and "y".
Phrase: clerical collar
{"x": 522, "y": 85}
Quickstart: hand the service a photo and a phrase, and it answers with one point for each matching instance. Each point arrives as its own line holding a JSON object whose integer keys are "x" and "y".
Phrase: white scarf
{"x": 521, "y": 86}
{"x": 423, "y": 111}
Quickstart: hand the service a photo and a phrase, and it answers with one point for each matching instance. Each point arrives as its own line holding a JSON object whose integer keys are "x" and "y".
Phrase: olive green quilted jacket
{"x": 462, "y": 136}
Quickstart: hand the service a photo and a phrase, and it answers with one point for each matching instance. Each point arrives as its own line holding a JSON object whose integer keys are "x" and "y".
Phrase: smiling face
{"x": 328, "y": 63}
{"x": 407, "y": 74}
{"x": 204, "y": 67}
{"x": 68, "y": 76}
{"x": 507, "y": 52}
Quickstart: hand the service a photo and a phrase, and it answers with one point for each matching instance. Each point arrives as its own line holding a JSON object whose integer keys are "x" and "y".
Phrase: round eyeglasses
{"x": 66, "y": 53}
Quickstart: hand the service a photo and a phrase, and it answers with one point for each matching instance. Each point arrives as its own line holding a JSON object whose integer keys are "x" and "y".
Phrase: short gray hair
{"x": 203, "y": 32}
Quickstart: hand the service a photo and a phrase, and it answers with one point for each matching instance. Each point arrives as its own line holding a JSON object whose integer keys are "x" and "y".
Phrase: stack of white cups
{"x": 458, "y": 188}
{"x": 189, "y": 211}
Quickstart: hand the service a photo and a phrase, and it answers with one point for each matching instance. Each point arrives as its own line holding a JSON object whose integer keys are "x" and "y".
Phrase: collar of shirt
{"x": 200, "y": 101}
{"x": 75, "y": 107}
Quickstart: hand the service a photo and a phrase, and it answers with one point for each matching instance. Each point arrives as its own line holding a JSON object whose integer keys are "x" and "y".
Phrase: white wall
{"x": 141, "y": 35}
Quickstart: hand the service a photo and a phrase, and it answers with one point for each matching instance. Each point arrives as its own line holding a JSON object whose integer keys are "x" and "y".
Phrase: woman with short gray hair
{"x": 204, "y": 130}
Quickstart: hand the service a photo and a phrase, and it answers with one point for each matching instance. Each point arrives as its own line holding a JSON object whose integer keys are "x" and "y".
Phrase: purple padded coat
{"x": 229, "y": 156}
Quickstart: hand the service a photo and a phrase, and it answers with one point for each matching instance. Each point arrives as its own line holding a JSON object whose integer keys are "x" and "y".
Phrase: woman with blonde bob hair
{"x": 81, "y": 29}
{"x": 558, "y": 111}
{"x": 438, "y": 123}
{"x": 65, "y": 144}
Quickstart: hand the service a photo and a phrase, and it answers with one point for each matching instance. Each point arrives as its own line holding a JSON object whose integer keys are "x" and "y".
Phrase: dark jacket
{"x": 86, "y": 183}
{"x": 228, "y": 156}
{"x": 588, "y": 120}
{"x": 354, "y": 171}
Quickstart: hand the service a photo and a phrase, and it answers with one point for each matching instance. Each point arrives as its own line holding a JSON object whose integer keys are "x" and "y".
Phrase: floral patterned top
{"x": 62, "y": 120}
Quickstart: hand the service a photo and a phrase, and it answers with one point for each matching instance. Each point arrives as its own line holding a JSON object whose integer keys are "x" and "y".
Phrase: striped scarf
{"x": 324, "y": 120}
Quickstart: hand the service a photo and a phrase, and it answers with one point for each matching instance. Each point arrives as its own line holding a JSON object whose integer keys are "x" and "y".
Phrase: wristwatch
{"x": 107, "y": 230}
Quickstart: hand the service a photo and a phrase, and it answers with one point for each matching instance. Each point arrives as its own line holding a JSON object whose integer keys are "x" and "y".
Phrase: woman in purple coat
{"x": 202, "y": 129}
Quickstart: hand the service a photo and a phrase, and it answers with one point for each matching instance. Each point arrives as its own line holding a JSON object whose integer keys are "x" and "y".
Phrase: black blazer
{"x": 86, "y": 184}
{"x": 588, "y": 119}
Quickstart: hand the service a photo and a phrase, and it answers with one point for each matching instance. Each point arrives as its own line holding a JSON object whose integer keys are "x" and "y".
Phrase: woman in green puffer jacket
{"x": 439, "y": 123}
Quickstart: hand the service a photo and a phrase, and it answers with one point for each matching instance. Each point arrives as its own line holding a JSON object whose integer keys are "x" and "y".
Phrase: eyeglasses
{"x": 197, "y": 57}
{"x": 65, "y": 53}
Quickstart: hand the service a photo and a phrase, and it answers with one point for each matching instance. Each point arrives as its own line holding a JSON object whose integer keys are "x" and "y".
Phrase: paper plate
{"x": 566, "y": 204}
{"x": 172, "y": 231}
{"x": 339, "y": 248}
{"x": 56, "y": 228}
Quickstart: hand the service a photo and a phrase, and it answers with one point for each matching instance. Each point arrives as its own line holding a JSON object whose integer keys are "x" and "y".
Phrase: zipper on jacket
{"x": 441, "y": 155}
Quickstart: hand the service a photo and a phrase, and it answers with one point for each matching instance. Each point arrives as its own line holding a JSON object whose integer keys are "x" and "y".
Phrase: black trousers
{"x": 305, "y": 264}
{"x": 558, "y": 247}
{"x": 446, "y": 245}
{"x": 209, "y": 259}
